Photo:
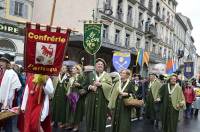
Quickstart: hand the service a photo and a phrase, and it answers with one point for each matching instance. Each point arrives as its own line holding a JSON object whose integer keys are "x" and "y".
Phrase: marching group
{"x": 91, "y": 94}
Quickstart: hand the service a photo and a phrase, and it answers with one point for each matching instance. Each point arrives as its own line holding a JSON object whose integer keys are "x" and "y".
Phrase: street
{"x": 186, "y": 125}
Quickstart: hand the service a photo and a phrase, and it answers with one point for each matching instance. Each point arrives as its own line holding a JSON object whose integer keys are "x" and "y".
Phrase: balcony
{"x": 150, "y": 30}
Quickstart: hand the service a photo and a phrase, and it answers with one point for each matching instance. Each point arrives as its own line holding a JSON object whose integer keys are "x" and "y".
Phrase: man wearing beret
{"x": 152, "y": 99}
{"x": 98, "y": 84}
{"x": 172, "y": 101}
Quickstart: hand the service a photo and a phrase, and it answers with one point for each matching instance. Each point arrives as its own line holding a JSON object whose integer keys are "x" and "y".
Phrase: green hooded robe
{"x": 169, "y": 109}
{"x": 96, "y": 103}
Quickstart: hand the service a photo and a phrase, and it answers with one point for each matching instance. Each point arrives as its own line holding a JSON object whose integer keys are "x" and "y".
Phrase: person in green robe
{"x": 152, "y": 106}
{"x": 98, "y": 84}
{"x": 75, "y": 94}
{"x": 59, "y": 99}
{"x": 172, "y": 100}
{"x": 121, "y": 121}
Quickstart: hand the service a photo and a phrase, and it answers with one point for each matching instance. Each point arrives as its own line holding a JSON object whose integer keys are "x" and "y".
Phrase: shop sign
{"x": 8, "y": 28}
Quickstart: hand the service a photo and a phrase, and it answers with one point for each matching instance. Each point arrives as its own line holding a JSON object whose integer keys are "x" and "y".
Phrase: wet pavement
{"x": 185, "y": 125}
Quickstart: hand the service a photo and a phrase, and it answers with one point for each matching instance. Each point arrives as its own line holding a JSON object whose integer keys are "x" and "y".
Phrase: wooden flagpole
{"x": 52, "y": 12}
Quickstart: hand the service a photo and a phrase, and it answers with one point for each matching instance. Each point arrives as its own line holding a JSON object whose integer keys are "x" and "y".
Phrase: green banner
{"x": 92, "y": 38}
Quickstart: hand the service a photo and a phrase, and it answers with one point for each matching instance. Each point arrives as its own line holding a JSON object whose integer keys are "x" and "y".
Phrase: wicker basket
{"x": 6, "y": 114}
{"x": 133, "y": 102}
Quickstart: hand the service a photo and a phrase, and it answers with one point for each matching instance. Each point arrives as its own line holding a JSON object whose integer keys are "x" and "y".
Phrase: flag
{"x": 169, "y": 66}
{"x": 146, "y": 58}
{"x": 139, "y": 59}
{"x": 174, "y": 67}
{"x": 121, "y": 60}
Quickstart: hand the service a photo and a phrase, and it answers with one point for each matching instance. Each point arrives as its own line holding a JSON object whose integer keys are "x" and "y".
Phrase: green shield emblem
{"x": 92, "y": 38}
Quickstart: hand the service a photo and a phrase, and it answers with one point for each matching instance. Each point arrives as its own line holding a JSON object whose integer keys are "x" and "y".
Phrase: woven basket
{"x": 133, "y": 102}
{"x": 6, "y": 114}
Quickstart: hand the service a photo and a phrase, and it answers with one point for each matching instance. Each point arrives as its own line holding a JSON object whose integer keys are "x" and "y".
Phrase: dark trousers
{"x": 8, "y": 123}
{"x": 188, "y": 110}
{"x": 157, "y": 110}
{"x": 194, "y": 111}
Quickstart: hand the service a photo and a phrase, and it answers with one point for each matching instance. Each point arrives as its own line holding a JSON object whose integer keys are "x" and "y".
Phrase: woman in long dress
{"x": 76, "y": 97}
{"x": 59, "y": 99}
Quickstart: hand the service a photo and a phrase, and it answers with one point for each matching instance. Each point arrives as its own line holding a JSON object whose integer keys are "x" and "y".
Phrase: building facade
{"x": 185, "y": 42}
{"x": 127, "y": 25}
{"x": 12, "y": 13}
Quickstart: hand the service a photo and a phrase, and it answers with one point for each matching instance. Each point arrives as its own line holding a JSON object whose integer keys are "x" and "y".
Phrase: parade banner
{"x": 157, "y": 68}
{"x": 188, "y": 69}
{"x": 92, "y": 38}
{"x": 44, "y": 50}
{"x": 121, "y": 60}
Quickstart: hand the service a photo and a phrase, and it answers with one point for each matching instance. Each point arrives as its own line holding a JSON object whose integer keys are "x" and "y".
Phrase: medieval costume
{"x": 172, "y": 100}
{"x": 35, "y": 104}
{"x": 59, "y": 100}
{"x": 98, "y": 85}
{"x": 152, "y": 103}
{"x": 122, "y": 114}
{"x": 76, "y": 97}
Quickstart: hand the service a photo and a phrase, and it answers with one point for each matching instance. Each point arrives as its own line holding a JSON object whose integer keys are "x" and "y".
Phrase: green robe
{"x": 122, "y": 114}
{"x": 77, "y": 116}
{"x": 59, "y": 102}
{"x": 113, "y": 93}
{"x": 169, "y": 113}
{"x": 152, "y": 95}
{"x": 96, "y": 103}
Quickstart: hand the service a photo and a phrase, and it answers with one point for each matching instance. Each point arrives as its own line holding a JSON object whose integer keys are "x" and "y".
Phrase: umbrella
{"x": 69, "y": 63}
{"x": 19, "y": 62}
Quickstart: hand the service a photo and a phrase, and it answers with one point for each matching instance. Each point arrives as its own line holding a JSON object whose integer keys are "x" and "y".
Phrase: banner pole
{"x": 53, "y": 12}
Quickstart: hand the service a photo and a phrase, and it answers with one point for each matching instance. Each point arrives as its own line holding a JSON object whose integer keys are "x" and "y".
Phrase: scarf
{"x": 98, "y": 78}
{"x": 63, "y": 78}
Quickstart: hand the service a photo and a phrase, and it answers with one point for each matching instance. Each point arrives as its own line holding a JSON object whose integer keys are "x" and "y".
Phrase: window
{"x": 160, "y": 52}
{"x": 18, "y": 8}
{"x": 129, "y": 15}
{"x": 157, "y": 9}
{"x": 105, "y": 32}
{"x": 147, "y": 46}
{"x": 138, "y": 43}
{"x": 154, "y": 48}
{"x": 150, "y": 6}
{"x": 127, "y": 40}
{"x": 140, "y": 24}
{"x": 117, "y": 35}
{"x": 119, "y": 10}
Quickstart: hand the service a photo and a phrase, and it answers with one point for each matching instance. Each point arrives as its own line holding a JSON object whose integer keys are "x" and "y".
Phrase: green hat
{"x": 173, "y": 75}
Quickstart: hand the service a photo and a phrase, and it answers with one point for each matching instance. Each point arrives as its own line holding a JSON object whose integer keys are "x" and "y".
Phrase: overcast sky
{"x": 191, "y": 9}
